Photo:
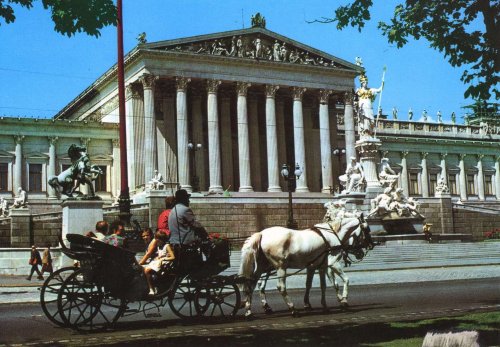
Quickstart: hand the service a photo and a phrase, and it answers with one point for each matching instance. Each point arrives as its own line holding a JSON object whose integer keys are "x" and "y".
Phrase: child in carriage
{"x": 165, "y": 256}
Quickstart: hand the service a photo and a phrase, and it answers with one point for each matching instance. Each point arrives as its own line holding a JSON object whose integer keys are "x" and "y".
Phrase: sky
{"x": 41, "y": 71}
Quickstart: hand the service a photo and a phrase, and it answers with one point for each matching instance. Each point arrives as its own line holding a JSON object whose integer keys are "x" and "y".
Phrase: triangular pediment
{"x": 256, "y": 44}
{"x": 5, "y": 154}
{"x": 36, "y": 155}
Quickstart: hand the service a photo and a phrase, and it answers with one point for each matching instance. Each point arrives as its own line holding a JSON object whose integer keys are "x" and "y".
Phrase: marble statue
{"x": 442, "y": 187}
{"x": 405, "y": 207}
{"x": 116, "y": 201}
{"x": 366, "y": 97}
{"x": 394, "y": 113}
{"x": 80, "y": 172}
{"x": 453, "y": 117}
{"x": 381, "y": 205}
{"x": 4, "y": 207}
{"x": 424, "y": 115}
{"x": 354, "y": 178}
{"x": 387, "y": 176}
{"x": 157, "y": 182}
{"x": 258, "y": 20}
{"x": 410, "y": 114}
{"x": 20, "y": 201}
{"x": 439, "y": 117}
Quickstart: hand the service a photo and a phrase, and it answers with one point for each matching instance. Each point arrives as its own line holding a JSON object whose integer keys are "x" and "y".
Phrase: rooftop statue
{"x": 453, "y": 117}
{"x": 394, "y": 113}
{"x": 439, "y": 117}
{"x": 258, "y": 20}
{"x": 80, "y": 172}
{"x": 354, "y": 178}
{"x": 20, "y": 201}
{"x": 410, "y": 114}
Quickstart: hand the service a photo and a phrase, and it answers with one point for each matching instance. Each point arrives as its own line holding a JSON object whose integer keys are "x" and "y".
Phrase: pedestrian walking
{"x": 34, "y": 261}
{"x": 47, "y": 261}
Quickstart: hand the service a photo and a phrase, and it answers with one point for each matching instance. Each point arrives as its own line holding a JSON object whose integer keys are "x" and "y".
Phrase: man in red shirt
{"x": 163, "y": 217}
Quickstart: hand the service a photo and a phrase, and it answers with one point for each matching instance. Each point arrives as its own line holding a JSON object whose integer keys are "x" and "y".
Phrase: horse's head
{"x": 366, "y": 237}
{"x": 361, "y": 239}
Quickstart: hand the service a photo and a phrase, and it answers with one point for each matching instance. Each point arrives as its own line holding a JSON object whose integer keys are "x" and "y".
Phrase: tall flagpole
{"x": 124, "y": 200}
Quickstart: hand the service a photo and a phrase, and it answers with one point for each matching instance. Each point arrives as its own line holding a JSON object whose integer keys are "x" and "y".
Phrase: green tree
{"x": 69, "y": 16}
{"x": 449, "y": 27}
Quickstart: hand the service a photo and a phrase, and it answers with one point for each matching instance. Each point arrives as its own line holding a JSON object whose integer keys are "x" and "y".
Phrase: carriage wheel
{"x": 182, "y": 298}
{"x": 49, "y": 292}
{"x": 84, "y": 306}
{"x": 223, "y": 300}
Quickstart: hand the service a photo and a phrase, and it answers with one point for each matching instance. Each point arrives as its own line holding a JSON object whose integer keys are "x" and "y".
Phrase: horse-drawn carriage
{"x": 109, "y": 284}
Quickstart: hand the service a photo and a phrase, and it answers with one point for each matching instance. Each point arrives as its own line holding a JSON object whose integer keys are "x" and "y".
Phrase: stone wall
{"x": 475, "y": 222}
{"x": 438, "y": 212}
{"x": 46, "y": 229}
{"x": 4, "y": 232}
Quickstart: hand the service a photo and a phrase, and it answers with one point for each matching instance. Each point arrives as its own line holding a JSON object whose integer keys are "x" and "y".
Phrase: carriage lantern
{"x": 290, "y": 178}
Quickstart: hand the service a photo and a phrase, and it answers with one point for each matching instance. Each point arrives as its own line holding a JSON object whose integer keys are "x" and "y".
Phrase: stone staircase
{"x": 414, "y": 256}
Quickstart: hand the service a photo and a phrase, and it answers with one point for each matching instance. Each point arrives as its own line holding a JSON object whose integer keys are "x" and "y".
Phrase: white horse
{"x": 281, "y": 249}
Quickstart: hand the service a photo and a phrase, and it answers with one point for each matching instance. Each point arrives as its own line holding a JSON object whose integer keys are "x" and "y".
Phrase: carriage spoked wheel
{"x": 182, "y": 298}
{"x": 85, "y": 306}
{"x": 219, "y": 299}
{"x": 50, "y": 291}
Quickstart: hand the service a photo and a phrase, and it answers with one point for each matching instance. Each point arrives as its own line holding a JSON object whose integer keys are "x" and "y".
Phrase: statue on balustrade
{"x": 387, "y": 176}
{"x": 442, "y": 187}
{"x": 20, "y": 201}
{"x": 354, "y": 178}
{"x": 80, "y": 172}
{"x": 156, "y": 182}
{"x": 4, "y": 207}
{"x": 366, "y": 97}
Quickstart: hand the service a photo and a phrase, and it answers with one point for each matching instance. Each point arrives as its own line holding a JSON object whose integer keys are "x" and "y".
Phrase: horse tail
{"x": 249, "y": 253}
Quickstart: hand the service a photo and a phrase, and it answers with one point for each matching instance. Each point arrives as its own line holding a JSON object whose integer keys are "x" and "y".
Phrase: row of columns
{"x": 215, "y": 162}
{"x": 444, "y": 173}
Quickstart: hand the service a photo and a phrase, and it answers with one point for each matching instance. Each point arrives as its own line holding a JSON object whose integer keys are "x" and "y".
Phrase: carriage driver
{"x": 185, "y": 230}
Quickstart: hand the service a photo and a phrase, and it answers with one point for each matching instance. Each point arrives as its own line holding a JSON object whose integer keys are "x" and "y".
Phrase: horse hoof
{"x": 295, "y": 314}
{"x": 267, "y": 309}
{"x": 344, "y": 305}
{"x": 249, "y": 316}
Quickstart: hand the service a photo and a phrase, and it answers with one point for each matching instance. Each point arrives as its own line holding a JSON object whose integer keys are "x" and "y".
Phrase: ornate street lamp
{"x": 290, "y": 178}
{"x": 195, "y": 180}
{"x": 339, "y": 152}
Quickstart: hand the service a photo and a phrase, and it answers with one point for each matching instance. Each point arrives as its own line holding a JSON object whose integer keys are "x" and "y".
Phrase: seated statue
{"x": 354, "y": 178}
{"x": 405, "y": 207}
{"x": 4, "y": 207}
{"x": 381, "y": 205}
{"x": 337, "y": 215}
{"x": 20, "y": 199}
{"x": 442, "y": 187}
{"x": 156, "y": 182}
{"x": 387, "y": 176}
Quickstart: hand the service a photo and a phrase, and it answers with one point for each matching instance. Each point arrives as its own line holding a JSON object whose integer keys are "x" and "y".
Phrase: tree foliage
{"x": 69, "y": 16}
{"x": 449, "y": 26}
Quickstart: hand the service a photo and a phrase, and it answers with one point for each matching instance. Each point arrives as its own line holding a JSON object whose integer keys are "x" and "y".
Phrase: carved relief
{"x": 148, "y": 80}
{"x": 403, "y": 125}
{"x": 324, "y": 96}
{"x": 255, "y": 47}
{"x": 213, "y": 85}
{"x": 242, "y": 88}
{"x": 298, "y": 93}
{"x": 182, "y": 83}
{"x": 271, "y": 90}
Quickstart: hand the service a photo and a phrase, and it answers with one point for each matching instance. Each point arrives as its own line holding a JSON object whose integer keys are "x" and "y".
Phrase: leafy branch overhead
{"x": 69, "y": 16}
{"x": 450, "y": 27}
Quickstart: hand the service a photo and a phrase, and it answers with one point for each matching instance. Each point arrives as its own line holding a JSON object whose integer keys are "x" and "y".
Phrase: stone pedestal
{"x": 368, "y": 153}
{"x": 392, "y": 224}
{"x": 80, "y": 216}
{"x": 20, "y": 227}
{"x": 156, "y": 201}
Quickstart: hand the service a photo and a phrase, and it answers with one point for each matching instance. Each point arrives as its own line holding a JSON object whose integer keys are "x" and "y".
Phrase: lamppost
{"x": 195, "y": 179}
{"x": 339, "y": 152}
{"x": 290, "y": 178}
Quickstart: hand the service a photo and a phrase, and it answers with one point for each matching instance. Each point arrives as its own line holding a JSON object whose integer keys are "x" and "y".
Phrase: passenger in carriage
{"x": 115, "y": 237}
{"x": 165, "y": 256}
{"x": 163, "y": 217}
{"x": 151, "y": 246}
{"x": 185, "y": 230}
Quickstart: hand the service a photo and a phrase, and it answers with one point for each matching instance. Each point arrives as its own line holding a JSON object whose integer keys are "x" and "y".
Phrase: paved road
{"x": 371, "y": 306}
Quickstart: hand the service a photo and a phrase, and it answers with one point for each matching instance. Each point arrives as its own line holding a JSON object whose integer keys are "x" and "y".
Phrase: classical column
{"x": 115, "y": 177}
{"x": 243, "y": 139}
{"x": 148, "y": 82}
{"x": 444, "y": 172}
{"x": 480, "y": 177}
{"x": 404, "y": 174}
{"x": 51, "y": 169}
{"x": 182, "y": 134}
{"x": 273, "y": 166}
{"x": 132, "y": 107}
{"x": 254, "y": 133}
{"x": 18, "y": 167}
{"x": 325, "y": 145}
{"x": 424, "y": 176}
{"x": 280, "y": 132}
{"x": 462, "y": 178}
{"x": 214, "y": 161}
{"x": 298, "y": 138}
{"x": 497, "y": 177}
{"x": 226, "y": 142}
{"x": 350, "y": 131}
{"x": 198, "y": 138}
